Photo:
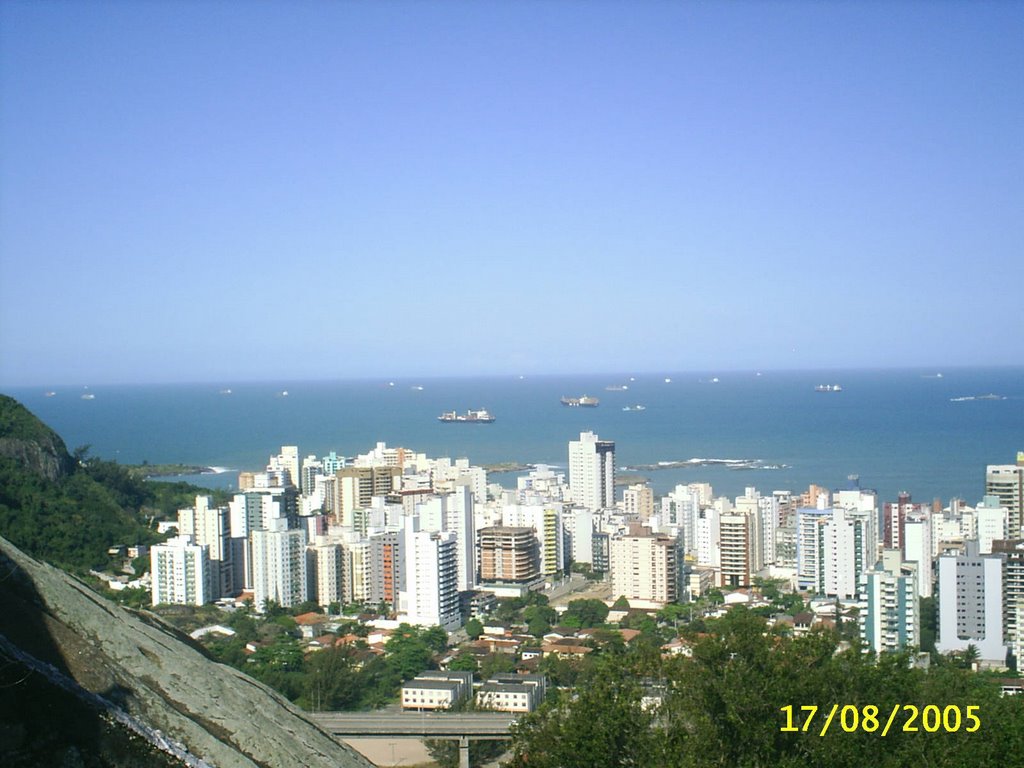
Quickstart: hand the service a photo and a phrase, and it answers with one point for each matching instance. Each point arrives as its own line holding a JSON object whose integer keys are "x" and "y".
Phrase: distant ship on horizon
{"x": 479, "y": 416}
{"x": 581, "y": 402}
{"x": 828, "y": 388}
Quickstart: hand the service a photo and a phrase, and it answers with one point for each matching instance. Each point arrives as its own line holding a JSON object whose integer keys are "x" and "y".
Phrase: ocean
{"x": 898, "y": 430}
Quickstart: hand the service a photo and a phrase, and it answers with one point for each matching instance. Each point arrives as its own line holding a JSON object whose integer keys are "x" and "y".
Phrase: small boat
{"x": 635, "y": 408}
{"x": 616, "y": 388}
{"x": 88, "y": 396}
{"x": 828, "y": 388}
{"x": 51, "y": 393}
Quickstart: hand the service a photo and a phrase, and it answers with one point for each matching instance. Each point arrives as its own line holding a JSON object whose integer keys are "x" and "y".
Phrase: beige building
{"x": 638, "y": 500}
{"x": 356, "y": 487}
{"x": 645, "y": 566}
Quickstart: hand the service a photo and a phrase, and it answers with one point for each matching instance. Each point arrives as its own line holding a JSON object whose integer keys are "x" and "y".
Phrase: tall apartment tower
{"x": 739, "y": 535}
{"x": 971, "y": 604}
{"x": 279, "y": 566}
{"x": 638, "y": 500}
{"x": 211, "y": 527}
{"x": 287, "y": 461}
{"x": 325, "y": 563}
{"x": 1012, "y": 552}
{"x": 546, "y": 521}
{"x": 429, "y": 595}
{"x": 888, "y": 601}
{"x": 592, "y": 471}
{"x": 1006, "y": 483}
{"x": 508, "y": 555}
{"x": 181, "y": 572}
{"x": 454, "y": 512}
{"x": 645, "y": 566}
{"x": 356, "y": 487}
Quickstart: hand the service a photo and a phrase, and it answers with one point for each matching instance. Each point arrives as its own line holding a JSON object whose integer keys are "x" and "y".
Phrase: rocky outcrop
{"x": 30, "y": 443}
{"x": 135, "y": 671}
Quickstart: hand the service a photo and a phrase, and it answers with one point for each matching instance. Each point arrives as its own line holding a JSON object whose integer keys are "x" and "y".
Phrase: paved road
{"x": 431, "y": 725}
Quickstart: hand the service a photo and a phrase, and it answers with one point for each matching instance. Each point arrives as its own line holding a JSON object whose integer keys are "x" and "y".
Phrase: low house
{"x": 508, "y": 692}
{"x": 436, "y": 689}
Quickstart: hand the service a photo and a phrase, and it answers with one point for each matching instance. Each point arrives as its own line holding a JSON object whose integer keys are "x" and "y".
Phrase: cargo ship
{"x": 480, "y": 416}
{"x": 580, "y": 402}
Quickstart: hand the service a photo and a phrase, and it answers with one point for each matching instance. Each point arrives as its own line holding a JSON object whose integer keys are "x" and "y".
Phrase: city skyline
{"x": 321, "y": 191}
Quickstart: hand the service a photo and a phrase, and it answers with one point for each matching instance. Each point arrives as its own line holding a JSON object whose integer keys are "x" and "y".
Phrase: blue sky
{"x": 222, "y": 191}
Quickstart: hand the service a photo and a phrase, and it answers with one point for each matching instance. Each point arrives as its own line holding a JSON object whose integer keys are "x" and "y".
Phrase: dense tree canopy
{"x": 724, "y": 707}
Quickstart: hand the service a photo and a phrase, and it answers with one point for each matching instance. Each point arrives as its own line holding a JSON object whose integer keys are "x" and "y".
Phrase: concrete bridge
{"x": 464, "y": 726}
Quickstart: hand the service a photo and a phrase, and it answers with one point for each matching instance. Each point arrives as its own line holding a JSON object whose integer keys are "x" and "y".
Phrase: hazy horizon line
{"x": 414, "y": 378}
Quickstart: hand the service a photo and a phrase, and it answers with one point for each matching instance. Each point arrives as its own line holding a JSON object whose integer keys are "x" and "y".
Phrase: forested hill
{"x": 31, "y": 444}
{"x": 69, "y": 510}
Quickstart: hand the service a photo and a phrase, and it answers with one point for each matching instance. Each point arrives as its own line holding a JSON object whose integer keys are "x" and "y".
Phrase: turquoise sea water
{"x": 897, "y": 429}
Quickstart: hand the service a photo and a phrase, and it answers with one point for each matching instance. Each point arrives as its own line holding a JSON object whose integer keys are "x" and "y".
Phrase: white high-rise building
{"x": 326, "y": 564}
{"x": 279, "y": 566}
{"x": 889, "y": 616}
{"x": 993, "y": 521}
{"x": 917, "y": 548}
{"x": 707, "y": 537}
{"x": 809, "y": 556}
{"x": 971, "y": 605}
{"x": 288, "y": 462}
{"x": 429, "y": 592}
{"x": 848, "y": 546}
{"x": 181, "y": 572}
{"x": 211, "y": 527}
{"x": 579, "y": 529}
{"x": 453, "y": 512}
{"x": 679, "y": 511}
{"x": 592, "y": 471}
{"x": 312, "y": 468}
{"x": 1006, "y": 483}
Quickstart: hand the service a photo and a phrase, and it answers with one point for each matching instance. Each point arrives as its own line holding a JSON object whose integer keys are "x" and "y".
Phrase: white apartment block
{"x": 707, "y": 537}
{"x": 848, "y": 546}
{"x": 429, "y": 592}
{"x": 889, "y": 615}
{"x": 917, "y": 548}
{"x": 592, "y": 471}
{"x": 181, "y": 572}
{"x": 211, "y": 527}
{"x": 971, "y": 605}
{"x": 993, "y": 523}
{"x": 279, "y": 566}
{"x": 454, "y": 512}
{"x": 326, "y": 564}
{"x": 1006, "y": 483}
{"x": 541, "y": 482}
{"x": 579, "y": 531}
{"x": 287, "y": 463}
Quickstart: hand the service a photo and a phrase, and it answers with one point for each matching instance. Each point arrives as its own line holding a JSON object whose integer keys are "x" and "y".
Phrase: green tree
{"x": 602, "y": 724}
{"x": 585, "y": 613}
{"x": 474, "y": 628}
